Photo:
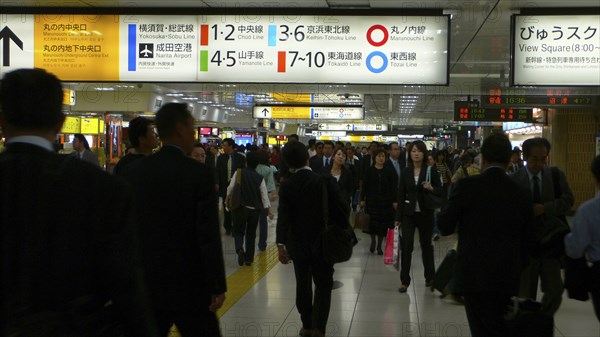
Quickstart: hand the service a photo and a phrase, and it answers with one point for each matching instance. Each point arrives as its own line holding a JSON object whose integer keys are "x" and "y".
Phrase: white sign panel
{"x": 158, "y": 48}
{"x": 16, "y": 48}
{"x": 337, "y": 113}
{"x": 556, "y": 50}
{"x": 352, "y": 127}
{"x": 325, "y": 49}
{"x": 305, "y": 112}
{"x": 329, "y": 133}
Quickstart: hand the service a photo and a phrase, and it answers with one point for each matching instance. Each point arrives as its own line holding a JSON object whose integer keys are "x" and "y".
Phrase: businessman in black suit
{"x": 317, "y": 163}
{"x": 60, "y": 266}
{"x": 227, "y": 164}
{"x": 493, "y": 216}
{"x": 181, "y": 243}
{"x": 299, "y": 224}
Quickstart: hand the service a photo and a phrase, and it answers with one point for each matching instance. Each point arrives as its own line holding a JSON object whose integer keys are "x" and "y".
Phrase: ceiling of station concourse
{"x": 479, "y": 57}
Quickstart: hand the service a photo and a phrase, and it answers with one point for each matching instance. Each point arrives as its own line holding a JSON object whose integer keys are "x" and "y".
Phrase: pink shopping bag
{"x": 391, "y": 246}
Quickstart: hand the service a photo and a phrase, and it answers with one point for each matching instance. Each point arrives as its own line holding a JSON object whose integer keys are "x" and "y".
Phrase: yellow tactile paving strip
{"x": 244, "y": 279}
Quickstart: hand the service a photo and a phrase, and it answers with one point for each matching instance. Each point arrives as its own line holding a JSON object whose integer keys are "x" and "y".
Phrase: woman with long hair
{"x": 378, "y": 198}
{"x": 413, "y": 212}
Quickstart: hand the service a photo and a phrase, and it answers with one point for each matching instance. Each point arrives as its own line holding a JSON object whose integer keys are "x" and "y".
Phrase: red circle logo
{"x": 383, "y": 30}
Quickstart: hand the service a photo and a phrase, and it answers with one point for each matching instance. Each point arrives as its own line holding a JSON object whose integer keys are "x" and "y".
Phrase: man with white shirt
{"x": 316, "y": 164}
{"x": 59, "y": 264}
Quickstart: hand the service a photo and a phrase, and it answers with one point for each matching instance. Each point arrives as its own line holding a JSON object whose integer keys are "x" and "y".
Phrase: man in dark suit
{"x": 318, "y": 163}
{"x": 552, "y": 199}
{"x": 59, "y": 266}
{"x": 142, "y": 139}
{"x": 82, "y": 150}
{"x": 393, "y": 161}
{"x": 493, "y": 217}
{"x": 181, "y": 242}
{"x": 299, "y": 224}
{"x": 227, "y": 164}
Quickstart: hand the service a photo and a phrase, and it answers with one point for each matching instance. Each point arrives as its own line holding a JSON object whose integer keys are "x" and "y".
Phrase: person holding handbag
{"x": 412, "y": 212}
{"x": 378, "y": 198}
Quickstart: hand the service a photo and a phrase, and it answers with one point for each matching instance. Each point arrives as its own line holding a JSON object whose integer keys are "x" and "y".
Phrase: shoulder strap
{"x": 428, "y": 176}
{"x": 556, "y": 182}
{"x": 325, "y": 202}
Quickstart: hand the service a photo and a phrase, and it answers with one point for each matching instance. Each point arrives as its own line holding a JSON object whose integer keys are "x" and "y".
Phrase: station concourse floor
{"x": 261, "y": 299}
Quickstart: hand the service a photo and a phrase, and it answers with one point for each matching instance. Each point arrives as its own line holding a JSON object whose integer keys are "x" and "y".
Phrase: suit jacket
{"x": 239, "y": 161}
{"x": 300, "y": 214}
{"x": 345, "y": 183}
{"x": 552, "y": 206}
{"x": 409, "y": 192}
{"x": 181, "y": 243}
{"x": 317, "y": 165}
{"x": 493, "y": 217}
{"x": 389, "y": 165}
{"x": 55, "y": 256}
{"x": 88, "y": 156}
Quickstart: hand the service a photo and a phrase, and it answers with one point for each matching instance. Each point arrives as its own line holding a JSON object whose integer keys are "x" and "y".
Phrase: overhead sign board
{"x": 89, "y": 126}
{"x": 299, "y": 98}
{"x": 329, "y": 133}
{"x": 555, "y": 50}
{"x": 325, "y": 49}
{"x": 352, "y": 127}
{"x": 538, "y": 101}
{"x": 71, "y": 125}
{"x": 466, "y": 111}
{"x": 231, "y": 48}
{"x": 303, "y": 112}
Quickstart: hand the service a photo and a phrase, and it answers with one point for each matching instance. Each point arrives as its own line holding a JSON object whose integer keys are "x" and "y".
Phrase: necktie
{"x": 397, "y": 167}
{"x": 326, "y": 161}
{"x": 229, "y": 160}
{"x": 537, "y": 198}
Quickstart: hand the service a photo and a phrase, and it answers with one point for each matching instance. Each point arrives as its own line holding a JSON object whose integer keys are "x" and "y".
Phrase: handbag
{"x": 390, "y": 255}
{"x": 336, "y": 241}
{"x": 433, "y": 201}
{"x": 234, "y": 200}
{"x": 361, "y": 220}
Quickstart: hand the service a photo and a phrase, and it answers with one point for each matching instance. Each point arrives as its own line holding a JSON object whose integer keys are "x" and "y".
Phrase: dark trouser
{"x": 547, "y": 270}
{"x": 245, "y": 222}
{"x": 226, "y": 217}
{"x": 190, "y": 323}
{"x": 423, "y": 221}
{"x": 263, "y": 228}
{"x": 595, "y": 276}
{"x": 485, "y": 313}
{"x": 314, "y": 314}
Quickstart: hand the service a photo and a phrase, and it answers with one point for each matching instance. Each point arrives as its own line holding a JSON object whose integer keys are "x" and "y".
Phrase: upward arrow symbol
{"x": 6, "y": 35}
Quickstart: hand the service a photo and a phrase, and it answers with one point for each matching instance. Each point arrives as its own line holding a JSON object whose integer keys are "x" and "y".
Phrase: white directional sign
{"x": 16, "y": 35}
{"x": 305, "y": 112}
{"x": 329, "y": 133}
{"x": 352, "y": 127}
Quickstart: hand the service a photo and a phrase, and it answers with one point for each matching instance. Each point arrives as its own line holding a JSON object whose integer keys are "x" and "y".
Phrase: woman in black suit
{"x": 412, "y": 213}
{"x": 341, "y": 174}
{"x": 378, "y": 198}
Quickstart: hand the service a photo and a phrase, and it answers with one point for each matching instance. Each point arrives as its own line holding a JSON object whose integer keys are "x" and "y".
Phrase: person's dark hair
{"x": 138, "y": 127}
{"x": 330, "y": 143}
{"x": 200, "y": 145}
{"x": 252, "y": 160}
{"x": 339, "y": 143}
{"x": 534, "y": 142}
{"x": 441, "y": 153}
{"x": 295, "y": 155}
{"x": 82, "y": 139}
{"x": 496, "y": 148}
{"x": 294, "y": 136}
{"x": 421, "y": 146}
{"x": 312, "y": 142}
{"x": 168, "y": 116}
{"x": 342, "y": 150}
{"x": 378, "y": 151}
{"x": 31, "y": 99}
{"x": 466, "y": 159}
{"x": 319, "y": 143}
{"x": 229, "y": 142}
{"x": 263, "y": 157}
{"x": 596, "y": 167}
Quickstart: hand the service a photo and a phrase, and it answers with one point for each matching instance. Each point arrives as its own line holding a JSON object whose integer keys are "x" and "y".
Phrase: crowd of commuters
{"x": 156, "y": 258}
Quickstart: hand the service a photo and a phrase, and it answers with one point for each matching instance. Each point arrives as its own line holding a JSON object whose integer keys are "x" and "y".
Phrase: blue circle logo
{"x": 383, "y": 58}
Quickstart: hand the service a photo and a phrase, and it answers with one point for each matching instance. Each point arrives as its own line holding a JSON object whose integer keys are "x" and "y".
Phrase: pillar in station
{"x": 572, "y": 133}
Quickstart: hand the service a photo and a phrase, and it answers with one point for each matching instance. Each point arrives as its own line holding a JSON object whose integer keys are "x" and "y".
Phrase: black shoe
{"x": 429, "y": 284}
{"x": 436, "y": 237}
{"x": 248, "y": 263}
{"x": 403, "y": 288}
{"x": 372, "y": 248}
{"x": 241, "y": 257}
{"x": 379, "y": 251}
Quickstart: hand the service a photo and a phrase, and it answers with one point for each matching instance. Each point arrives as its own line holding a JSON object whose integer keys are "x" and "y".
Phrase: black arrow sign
{"x": 6, "y": 35}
